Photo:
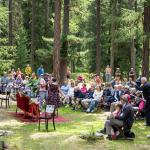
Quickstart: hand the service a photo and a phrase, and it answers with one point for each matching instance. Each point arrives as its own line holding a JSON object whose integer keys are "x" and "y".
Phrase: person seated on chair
{"x": 124, "y": 120}
{"x": 76, "y": 99}
{"x": 108, "y": 94}
{"x": 126, "y": 89}
{"x": 19, "y": 80}
{"x": 70, "y": 94}
{"x": 131, "y": 83}
{"x": 65, "y": 88}
{"x": 83, "y": 91}
{"x": 97, "y": 96}
{"x": 89, "y": 96}
{"x": 4, "y": 83}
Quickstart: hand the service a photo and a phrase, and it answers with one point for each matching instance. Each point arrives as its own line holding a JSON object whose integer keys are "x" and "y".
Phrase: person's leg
{"x": 108, "y": 127}
{"x": 147, "y": 113}
{"x": 84, "y": 102}
{"x": 41, "y": 98}
{"x": 106, "y": 77}
{"x": 91, "y": 107}
{"x": 116, "y": 122}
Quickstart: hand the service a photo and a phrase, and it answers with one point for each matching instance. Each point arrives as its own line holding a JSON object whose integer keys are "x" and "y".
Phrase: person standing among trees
{"x": 118, "y": 72}
{"x": 40, "y": 71}
{"x": 28, "y": 70}
{"x": 132, "y": 74}
{"x": 18, "y": 72}
{"x": 108, "y": 73}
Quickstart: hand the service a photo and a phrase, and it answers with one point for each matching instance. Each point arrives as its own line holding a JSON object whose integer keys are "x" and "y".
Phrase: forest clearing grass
{"x": 66, "y": 136}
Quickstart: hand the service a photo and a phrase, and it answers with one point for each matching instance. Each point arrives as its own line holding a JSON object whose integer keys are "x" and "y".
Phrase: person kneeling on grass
{"x": 124, "y": 120}
{"x": 116, "y": 113}
{"x": 97, "y": 96}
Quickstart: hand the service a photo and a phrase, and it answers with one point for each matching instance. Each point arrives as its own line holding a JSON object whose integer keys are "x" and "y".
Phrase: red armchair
{"x": 29, "y": 108}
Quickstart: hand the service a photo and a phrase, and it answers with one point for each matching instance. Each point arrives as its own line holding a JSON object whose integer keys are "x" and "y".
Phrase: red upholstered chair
{"x": 22, "y": 102}
{"x": 19, "y": 102}
{"x": 25, "y": 103}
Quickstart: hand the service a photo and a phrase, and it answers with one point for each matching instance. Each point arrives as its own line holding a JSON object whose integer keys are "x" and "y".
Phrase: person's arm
{"x": 63, "y": 95}
{"x": 123, "y": 115}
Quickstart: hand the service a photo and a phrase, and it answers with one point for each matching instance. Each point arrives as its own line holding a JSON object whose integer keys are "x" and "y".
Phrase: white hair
{"x": 144, "y": 79}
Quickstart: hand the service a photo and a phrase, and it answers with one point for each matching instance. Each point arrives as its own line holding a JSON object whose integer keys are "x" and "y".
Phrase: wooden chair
{"x": 5, "y": 97}
{"x": 48, "y": 114}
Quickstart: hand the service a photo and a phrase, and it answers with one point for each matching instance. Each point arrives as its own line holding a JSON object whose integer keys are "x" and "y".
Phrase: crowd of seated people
{"x": 80, "y": 94}
{"x": 77, "y": 93}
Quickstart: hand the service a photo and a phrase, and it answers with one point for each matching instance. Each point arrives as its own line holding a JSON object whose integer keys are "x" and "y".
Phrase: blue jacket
{"x": 40, "y": 71}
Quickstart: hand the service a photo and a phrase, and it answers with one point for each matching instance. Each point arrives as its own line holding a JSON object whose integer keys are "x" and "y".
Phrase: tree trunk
{"x": 57, "y": 40}
{"x": 10, "y": 34}
{"x": 132, "y": 44}
{"x": 47, "y": 16}
{"x": 64, "y": 49}
{"x": 113, "y": 28}
{"x": 33, "y": 46}
{"x": 146, "y": 41}
{"x": 133, "y": 53}
{"x": 98, "y": 28}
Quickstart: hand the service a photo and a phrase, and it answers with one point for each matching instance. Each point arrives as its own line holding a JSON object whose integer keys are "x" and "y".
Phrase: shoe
{"x": 97, "y": 134}
{"x": 109, "y": 137}
{"x": 103, "y": 131}
{"x": 73, "y": 108}
{"x": 113, "y": 137}
{"x": 147, "y": 125}
{"x": 67, "y": 106}
{"x": 148, "y": 136}
{"x": 88, "y": 110}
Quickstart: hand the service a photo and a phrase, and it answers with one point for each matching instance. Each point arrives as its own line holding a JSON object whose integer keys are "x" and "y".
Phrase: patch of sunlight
{"x": 36, "y": 136}
{"x": 71, "y": 139}
{"x": 12, "y": 123}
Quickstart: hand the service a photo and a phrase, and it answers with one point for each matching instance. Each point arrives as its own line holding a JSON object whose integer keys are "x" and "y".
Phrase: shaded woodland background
{"x": 85, "y": 35}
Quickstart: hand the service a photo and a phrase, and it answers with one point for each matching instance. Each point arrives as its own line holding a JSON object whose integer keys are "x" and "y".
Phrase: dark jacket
{"x": 127, "y": 116}
{"x": 146, "y": 91}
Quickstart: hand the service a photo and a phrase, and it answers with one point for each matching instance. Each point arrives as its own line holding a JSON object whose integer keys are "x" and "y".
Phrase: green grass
{"x": 66, "y": 136}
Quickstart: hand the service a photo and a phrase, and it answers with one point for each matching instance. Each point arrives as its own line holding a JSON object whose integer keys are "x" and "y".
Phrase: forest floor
{"x": 67, "y": 135}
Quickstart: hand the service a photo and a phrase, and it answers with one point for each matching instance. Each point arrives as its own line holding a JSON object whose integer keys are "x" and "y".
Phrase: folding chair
{"x": 48, "y": 114}
{"x": 5, "y": 97}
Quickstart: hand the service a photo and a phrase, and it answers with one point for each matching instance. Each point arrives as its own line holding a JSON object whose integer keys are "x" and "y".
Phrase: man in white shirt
{"x": 43, "y": 94}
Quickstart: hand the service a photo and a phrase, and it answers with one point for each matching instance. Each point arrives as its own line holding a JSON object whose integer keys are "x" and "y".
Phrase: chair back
{"x": 25, "y": 103}
{"x": 50, "y": 110}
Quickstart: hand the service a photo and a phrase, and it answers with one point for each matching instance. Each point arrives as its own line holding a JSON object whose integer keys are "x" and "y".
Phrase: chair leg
{"x": 6, "y": 103}
{"x": 47, "y": 125}
{"x": 39, "y": 124}
{"x": 54, "y": 122}
{"x": 1, "y": 102}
